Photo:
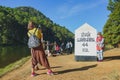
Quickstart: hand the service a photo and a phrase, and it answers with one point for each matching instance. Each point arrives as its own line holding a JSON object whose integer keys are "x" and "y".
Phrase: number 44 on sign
{"x": 85, "y": 44}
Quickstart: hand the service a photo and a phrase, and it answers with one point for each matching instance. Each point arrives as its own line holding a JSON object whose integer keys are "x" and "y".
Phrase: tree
{"x": 111, "y": 29}
{"x": 13, "y": 26}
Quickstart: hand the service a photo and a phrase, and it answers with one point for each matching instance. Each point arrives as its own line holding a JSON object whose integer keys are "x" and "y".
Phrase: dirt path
{"x": 68, "y": 69}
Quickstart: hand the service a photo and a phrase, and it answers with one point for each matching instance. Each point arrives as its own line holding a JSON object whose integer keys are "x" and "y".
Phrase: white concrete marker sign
{"x": 85, "y": 43}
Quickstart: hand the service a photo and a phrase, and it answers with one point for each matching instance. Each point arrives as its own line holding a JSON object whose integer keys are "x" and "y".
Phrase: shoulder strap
{"x": 29, "y": 33}
{"x": 34, "y": 31}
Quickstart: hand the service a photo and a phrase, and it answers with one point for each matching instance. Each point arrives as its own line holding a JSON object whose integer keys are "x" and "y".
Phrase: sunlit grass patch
{"x": 13, "y": 66}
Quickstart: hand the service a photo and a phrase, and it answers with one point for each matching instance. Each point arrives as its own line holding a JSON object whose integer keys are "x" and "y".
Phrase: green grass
{"x": 108, "y": 47}
{"x": 13, "y": 66}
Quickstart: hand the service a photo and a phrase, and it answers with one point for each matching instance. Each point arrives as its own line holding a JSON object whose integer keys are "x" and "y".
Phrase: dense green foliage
{"x": 111, "y": 29}
{"x": 13, "y": 26}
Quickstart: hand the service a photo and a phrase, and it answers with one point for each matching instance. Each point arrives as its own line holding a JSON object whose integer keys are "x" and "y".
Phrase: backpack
{"x": 33, "y": 40}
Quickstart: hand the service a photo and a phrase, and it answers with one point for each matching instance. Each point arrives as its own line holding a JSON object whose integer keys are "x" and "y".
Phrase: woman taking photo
{"x": 38, "y": 53}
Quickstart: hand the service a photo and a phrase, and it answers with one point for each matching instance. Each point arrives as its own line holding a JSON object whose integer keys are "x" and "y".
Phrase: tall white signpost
{"x": 85, "y": 43}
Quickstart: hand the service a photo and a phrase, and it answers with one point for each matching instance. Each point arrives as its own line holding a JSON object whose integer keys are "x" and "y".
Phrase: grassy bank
{"x": 13, "y": 66}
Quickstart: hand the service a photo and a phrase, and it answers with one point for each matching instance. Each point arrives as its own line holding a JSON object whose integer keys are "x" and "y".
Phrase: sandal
{"x": 33, "y": 74}
{"x": 49, "y": 72}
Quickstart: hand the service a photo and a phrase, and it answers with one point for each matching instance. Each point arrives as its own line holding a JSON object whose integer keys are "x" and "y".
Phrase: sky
{"x": 68, "y": 13}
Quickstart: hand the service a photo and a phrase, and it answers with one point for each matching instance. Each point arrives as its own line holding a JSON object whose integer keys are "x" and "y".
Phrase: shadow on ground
{"x": 111, "y": 58}
{"x": 77, "y": 69}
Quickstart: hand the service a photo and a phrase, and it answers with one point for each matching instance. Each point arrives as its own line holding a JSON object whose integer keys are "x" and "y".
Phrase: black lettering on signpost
{"x": 85, "y": 47}
{"x": 85, "y": 38}
{"x": 85, "y": 50}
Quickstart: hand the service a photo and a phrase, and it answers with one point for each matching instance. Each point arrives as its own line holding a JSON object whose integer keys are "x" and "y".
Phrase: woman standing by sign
{"x": 100, "y": 46}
